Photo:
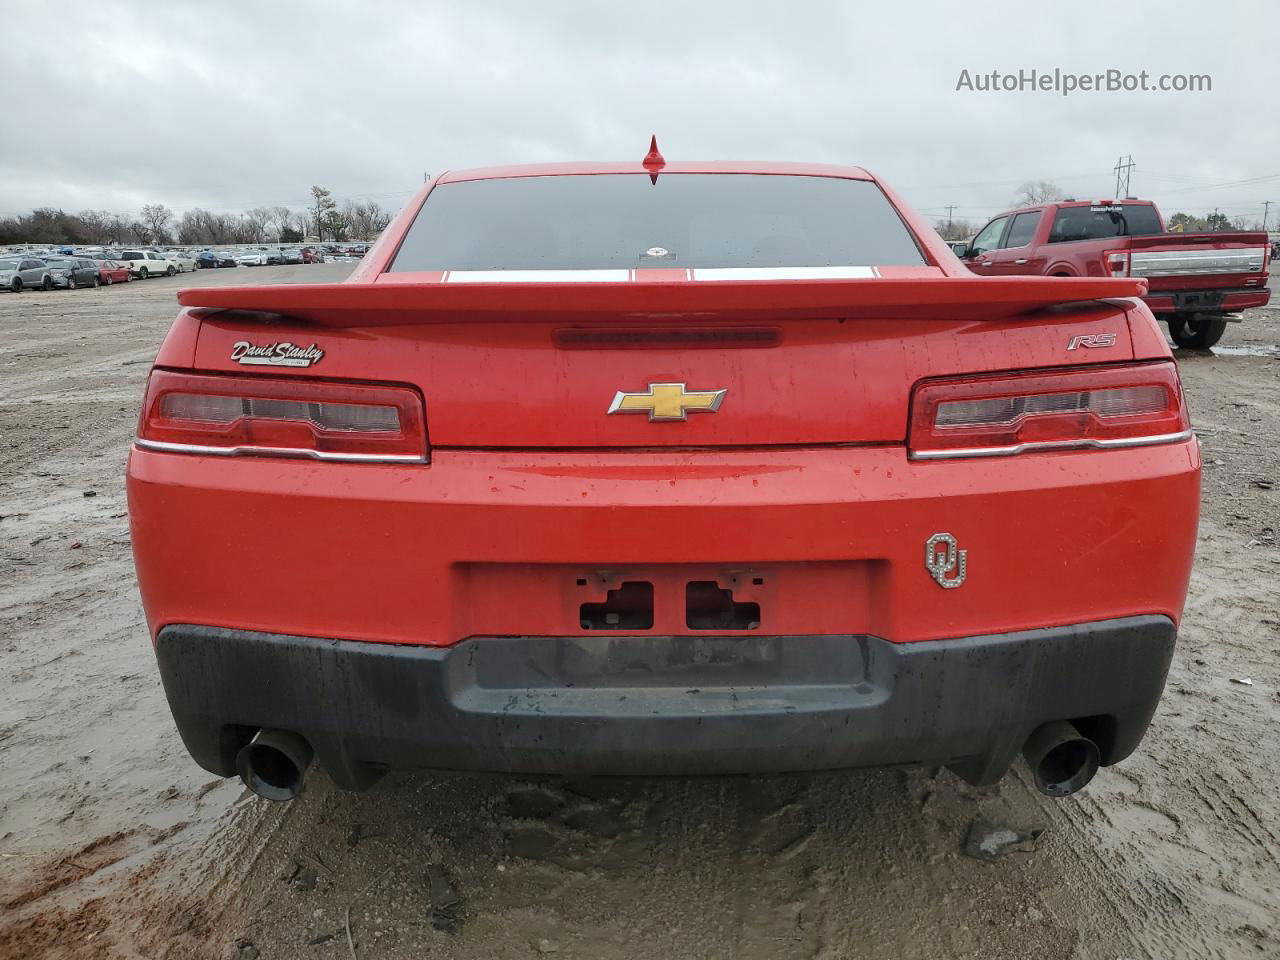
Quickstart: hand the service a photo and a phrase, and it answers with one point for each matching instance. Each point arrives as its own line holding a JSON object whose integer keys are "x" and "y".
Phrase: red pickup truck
{"x": 1195, "y": 280}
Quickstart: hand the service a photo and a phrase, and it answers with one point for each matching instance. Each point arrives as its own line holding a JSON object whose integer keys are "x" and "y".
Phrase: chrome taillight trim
{"x": 1084, "y": 443}
{"x": 296, "y": 454}
{"x": 1174, "y": 263}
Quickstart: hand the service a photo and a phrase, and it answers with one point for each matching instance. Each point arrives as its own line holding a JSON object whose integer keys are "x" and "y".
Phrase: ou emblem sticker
{"x": 941, "y": 557}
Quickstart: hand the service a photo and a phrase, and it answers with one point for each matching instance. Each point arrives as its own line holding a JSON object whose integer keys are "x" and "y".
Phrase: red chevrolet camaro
{"x": 663, "y": 468}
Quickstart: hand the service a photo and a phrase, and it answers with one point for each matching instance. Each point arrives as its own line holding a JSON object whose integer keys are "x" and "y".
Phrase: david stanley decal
{"x": 275, "y": 354}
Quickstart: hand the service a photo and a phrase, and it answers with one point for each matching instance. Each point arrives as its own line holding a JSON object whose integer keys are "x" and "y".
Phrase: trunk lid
{"x": 608, "y": 365}
{"x": 1179, "y": 260}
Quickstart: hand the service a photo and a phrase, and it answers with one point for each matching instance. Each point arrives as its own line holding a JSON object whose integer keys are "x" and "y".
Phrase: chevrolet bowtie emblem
{"x": 667, "y": 401}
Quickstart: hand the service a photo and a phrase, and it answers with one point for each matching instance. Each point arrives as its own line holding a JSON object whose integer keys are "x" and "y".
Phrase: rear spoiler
{"x": 1238, "y": 238}
{"x": 371, "y": 304}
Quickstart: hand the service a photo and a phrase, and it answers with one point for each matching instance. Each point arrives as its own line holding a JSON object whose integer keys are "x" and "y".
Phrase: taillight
{"x": 1116, "y": 263}
{"x": 259, "y": 416}
{"x": 1047, "y": 410}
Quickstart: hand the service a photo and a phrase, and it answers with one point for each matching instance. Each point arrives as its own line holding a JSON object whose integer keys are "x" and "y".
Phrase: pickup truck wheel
{"x": 1198, "y": 332}
{"x": 144, "y": 273}
{"x": 170, "y": 271}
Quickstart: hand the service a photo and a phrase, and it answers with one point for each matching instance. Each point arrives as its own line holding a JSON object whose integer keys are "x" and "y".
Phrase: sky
{"x": 230, "y": 105}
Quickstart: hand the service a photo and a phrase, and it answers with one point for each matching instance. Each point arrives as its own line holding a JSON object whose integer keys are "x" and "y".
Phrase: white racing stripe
{"x": 784, "y": 273}
{"x": 537, "y": 276}
{"x": 622, "y": 276}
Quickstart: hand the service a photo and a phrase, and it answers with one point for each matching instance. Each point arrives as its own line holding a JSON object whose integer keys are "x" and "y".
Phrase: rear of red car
{"x": 710, "y": 469}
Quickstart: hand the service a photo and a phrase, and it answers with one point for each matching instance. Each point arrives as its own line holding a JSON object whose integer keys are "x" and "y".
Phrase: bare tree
{"x": 256, "y": 221}
{"x": 365, "y": 220}
{"x": 1035, "y": 192}
{"x": 156, "y": 223}
{"x": 97, "y": 225}
{"x": 281, "y": 220}
{"x": 155, "y": 217}
{"x": 119, "y": 228}
{"x": 954, "y": 229}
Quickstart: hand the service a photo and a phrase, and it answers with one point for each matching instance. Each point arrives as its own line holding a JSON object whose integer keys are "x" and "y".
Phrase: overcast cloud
{"x": 230, "y": 105}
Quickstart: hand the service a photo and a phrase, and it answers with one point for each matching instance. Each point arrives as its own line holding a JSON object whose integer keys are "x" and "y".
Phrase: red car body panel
{"x": 499, "y": 540}
{"x": 800, "y": 494}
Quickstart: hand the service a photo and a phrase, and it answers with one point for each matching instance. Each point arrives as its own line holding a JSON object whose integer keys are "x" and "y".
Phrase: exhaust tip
{"x": 1062, "y": 760}
{"x": 274, "y": 764}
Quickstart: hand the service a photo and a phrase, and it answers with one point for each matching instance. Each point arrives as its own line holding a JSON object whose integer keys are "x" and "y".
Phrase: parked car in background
{"x": 210, "y": 259}
{"x": 291, "y": 254}
{"x": 86, "y": 272}
{"x": 1196, "y": 281}
{"x": 113, "y": 271}
{"x": 252, "y": 258}
{"x": 274, "y": 256}
{"x": 185, "y": 262}
{"x": 24, "y": 273}
{"x": 71, "y": 272}
{"x": 312, "y": 255}
{"x": 59, "y": 268}
{"x": 147, "y": 263}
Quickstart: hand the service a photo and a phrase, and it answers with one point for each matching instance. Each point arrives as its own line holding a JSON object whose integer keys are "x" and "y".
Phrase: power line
{"x": 1226, "y": 183}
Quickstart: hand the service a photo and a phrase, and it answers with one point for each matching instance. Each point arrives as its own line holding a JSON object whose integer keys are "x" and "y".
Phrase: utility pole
{"x": 952, "y": 207}
{"x": 1266, "y": 208}
{"x": 1124, "y": 169}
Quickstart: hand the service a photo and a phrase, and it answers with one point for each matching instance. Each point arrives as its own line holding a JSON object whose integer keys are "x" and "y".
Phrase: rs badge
{"x": 1091, "y": 341}
{"x": 941, "y": 558}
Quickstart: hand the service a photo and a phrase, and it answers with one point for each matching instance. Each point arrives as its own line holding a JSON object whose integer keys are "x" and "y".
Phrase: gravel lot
{"x": 113, "y": 844}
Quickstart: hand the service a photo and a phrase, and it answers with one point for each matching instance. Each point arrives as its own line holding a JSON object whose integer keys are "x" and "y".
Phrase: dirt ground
{"x": 114, "y": 844}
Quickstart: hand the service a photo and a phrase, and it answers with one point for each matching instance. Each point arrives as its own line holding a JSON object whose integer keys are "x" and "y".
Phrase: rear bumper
{"x": 826, "y": 541}
{"x": 645, "y": 705}
{"x": 1207, "y": 300}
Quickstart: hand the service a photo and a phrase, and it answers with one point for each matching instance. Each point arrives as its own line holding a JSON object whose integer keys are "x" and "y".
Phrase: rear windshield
{"x": 1112, "y": 220}
{"x": 683, "y": 220}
